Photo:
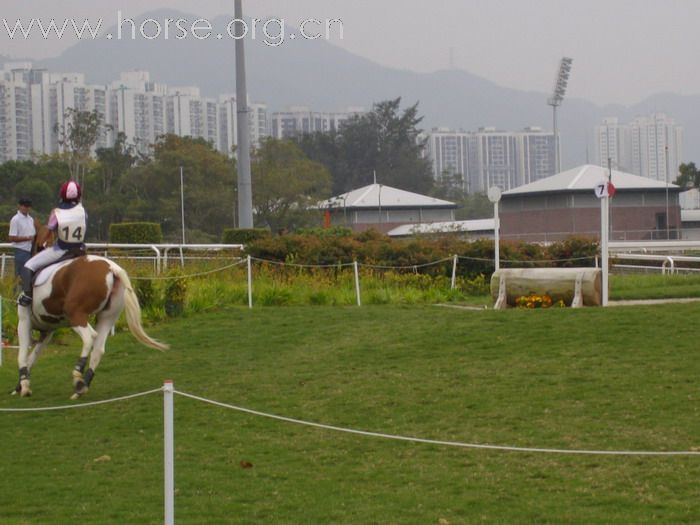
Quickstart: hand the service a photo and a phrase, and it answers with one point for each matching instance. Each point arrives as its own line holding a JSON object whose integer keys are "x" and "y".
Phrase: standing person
{"x": 22, "y": 233}
{"x": 68, "y": 222}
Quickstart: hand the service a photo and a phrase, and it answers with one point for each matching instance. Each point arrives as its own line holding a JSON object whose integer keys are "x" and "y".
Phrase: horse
{"x": 70, "y": 293}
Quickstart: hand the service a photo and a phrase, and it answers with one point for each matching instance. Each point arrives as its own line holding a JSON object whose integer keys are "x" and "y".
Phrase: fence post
{"x": 168, "y": 452}
{"x": 250, "y": 283}
{"x": 2, "y": 267}
{"x": 454, "y": 272}
{"x": 357, "y": 283}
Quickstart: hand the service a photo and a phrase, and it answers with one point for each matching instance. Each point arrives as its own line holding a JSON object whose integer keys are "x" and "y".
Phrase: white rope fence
{"x": 82, "y": 405}
{"x": 168, "y": 390}
{"x": 438, "y": 441}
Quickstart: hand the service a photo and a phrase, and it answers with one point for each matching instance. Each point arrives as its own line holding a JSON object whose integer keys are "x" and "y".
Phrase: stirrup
{"x": 24, "y": 299}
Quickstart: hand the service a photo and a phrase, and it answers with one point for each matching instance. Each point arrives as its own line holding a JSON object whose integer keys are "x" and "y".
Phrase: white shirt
{"x": 22, "y": 226}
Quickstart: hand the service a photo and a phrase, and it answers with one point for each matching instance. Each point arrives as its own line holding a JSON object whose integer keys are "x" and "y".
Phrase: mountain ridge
{"x": 326, "y": 77}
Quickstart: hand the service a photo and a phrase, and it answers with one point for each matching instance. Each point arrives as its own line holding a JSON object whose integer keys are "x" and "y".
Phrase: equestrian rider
{"x": 68, "y": 222}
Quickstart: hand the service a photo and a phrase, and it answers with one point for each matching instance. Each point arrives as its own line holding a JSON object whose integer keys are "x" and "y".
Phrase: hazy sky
{"x": 623, "y": 50}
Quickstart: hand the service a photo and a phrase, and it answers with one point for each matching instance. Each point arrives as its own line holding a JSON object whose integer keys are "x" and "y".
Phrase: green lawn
{"x": 603, "y": 379}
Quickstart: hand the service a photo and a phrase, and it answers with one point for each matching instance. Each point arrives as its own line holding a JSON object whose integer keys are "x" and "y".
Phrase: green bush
{"x": 243, "y": 235}
{"x": 374, "y": 249}
{"x": 145, "y": 291}
{"x": 175, "y": 294}
{"x": 335, "y": 231}
{"x": 135, "y": 233}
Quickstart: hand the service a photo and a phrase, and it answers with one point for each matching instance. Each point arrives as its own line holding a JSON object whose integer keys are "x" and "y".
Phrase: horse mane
{"x": 43, "y": 238}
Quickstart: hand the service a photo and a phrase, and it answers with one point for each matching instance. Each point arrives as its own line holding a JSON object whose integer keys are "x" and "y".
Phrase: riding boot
{"x": 25, "y": 298}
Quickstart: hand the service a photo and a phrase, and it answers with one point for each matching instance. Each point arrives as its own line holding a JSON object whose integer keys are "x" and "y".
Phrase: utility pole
{"x": 245, "y": 186}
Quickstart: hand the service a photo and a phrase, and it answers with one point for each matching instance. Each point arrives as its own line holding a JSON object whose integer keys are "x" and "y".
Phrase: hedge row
{"x": 243, "y": 235}
{"x": 135, "y": 233}
{"x": 373, "y": 248}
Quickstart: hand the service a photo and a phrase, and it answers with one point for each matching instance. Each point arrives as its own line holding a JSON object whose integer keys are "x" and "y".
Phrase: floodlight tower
{"x": 555, "y": 101}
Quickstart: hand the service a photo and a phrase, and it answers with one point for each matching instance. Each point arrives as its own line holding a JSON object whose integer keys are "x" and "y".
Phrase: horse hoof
{"x": 25, "y": 391}
{"x": 80, "y": 389}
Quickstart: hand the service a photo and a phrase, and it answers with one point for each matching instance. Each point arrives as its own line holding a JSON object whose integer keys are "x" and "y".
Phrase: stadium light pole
{"x": 245, "y": 186}
{"x": 182, "y": 202}
{"x": 555, "y": 101}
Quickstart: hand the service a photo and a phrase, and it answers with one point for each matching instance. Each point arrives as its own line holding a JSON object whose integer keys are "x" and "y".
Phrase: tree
{"x": 285, "y": 184}
{"x": 384, "y": 141}
{"x": 450, "y": 187}
{"x": 474, "y": 206}
{"x": 83, "y": 130}
{"x": 689, "y": 176}
{"x": 153, "y": 189}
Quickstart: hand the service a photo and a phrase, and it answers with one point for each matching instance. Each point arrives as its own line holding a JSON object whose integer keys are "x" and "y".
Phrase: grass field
{"x": 602, "y": 379}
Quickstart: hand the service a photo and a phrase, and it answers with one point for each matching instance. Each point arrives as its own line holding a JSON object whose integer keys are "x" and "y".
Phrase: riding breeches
{"x": 44, "y": 258}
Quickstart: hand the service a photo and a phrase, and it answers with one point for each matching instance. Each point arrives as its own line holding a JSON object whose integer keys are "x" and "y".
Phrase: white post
{"x": 497, "y": 236}
{"x": 250, "y": 283}
{"x": 494, "y": 195}
{"x": 182, "y": 203}
{"x": 454, "y": 272}
{"x": 168, "y": 452}
{"x": 604, "y": 219}
{"x": 2, "y": 267}
{"x": 357, "y": 283}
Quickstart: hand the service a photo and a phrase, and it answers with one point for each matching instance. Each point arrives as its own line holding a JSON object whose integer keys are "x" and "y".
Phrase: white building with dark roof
{"x": 384, "y": 208}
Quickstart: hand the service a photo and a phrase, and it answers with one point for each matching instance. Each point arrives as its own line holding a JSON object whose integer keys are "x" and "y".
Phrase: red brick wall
{"x": 552, "y": 224}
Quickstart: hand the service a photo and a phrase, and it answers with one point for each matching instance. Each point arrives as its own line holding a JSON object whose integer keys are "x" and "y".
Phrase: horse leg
{"x": 24, "y": 332}
{"x": 36, "y": 352}
{"x": 80, "y": 383}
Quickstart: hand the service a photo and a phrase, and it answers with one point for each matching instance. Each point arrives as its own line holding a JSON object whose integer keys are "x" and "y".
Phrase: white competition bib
{"x": 71, "y": 224}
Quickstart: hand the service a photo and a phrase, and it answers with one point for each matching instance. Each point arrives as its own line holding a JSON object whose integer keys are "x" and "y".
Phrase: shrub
{"x": 175, "y": 294}
{"x": 244, "y": 235}
{"x": 145, "y": 291}
{"x": 135, "y": 233}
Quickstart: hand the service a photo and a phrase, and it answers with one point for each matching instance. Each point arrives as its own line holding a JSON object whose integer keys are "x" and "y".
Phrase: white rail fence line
{"x": 169, "y": 391}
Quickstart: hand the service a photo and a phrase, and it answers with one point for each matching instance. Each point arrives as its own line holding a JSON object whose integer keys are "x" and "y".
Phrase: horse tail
{"x": 133, "y": 311}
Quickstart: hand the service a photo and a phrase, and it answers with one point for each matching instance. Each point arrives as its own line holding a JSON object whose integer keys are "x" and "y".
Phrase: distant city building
{"x": 650, "y": 146}
{"x": 490, "y": 157}
{"x": 302, "y": 120}
{"x": 449, "y": 153}
{"x": 34, "y": 104}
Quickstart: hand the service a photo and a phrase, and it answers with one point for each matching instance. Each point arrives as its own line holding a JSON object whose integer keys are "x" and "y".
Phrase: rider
{"x": 68, "y": 222}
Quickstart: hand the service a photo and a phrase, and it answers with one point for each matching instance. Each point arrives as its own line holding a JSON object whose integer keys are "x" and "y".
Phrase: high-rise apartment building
{"x": 301, "y": 119}
{"x": 650, "y": 146}
{"x": 34, "y": 105}
{"x": 449, "y": 153}
{"x": 489, "y": 157}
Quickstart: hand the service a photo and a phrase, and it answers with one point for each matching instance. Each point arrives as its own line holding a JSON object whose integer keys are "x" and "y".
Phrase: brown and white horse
{"x": 70, "y": 293}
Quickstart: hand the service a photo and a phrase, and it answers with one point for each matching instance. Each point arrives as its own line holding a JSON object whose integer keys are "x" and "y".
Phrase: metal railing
{"x": 161, "y": 252}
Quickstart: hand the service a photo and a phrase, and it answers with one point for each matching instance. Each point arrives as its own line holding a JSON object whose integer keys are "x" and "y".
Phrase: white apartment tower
{"x": 449, "y": 153}
{"x": 301, "y": 120}
{"x": 490, "y": 157}
{"x": 34, "y": 104}
{"x": 650, "y": 146}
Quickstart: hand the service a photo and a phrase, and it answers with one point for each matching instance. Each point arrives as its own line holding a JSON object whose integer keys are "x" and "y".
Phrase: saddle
{"x": 47, "y": 272}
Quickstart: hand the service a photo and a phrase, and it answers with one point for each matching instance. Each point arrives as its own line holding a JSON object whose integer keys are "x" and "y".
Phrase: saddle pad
{"x": 47, "y": 273}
